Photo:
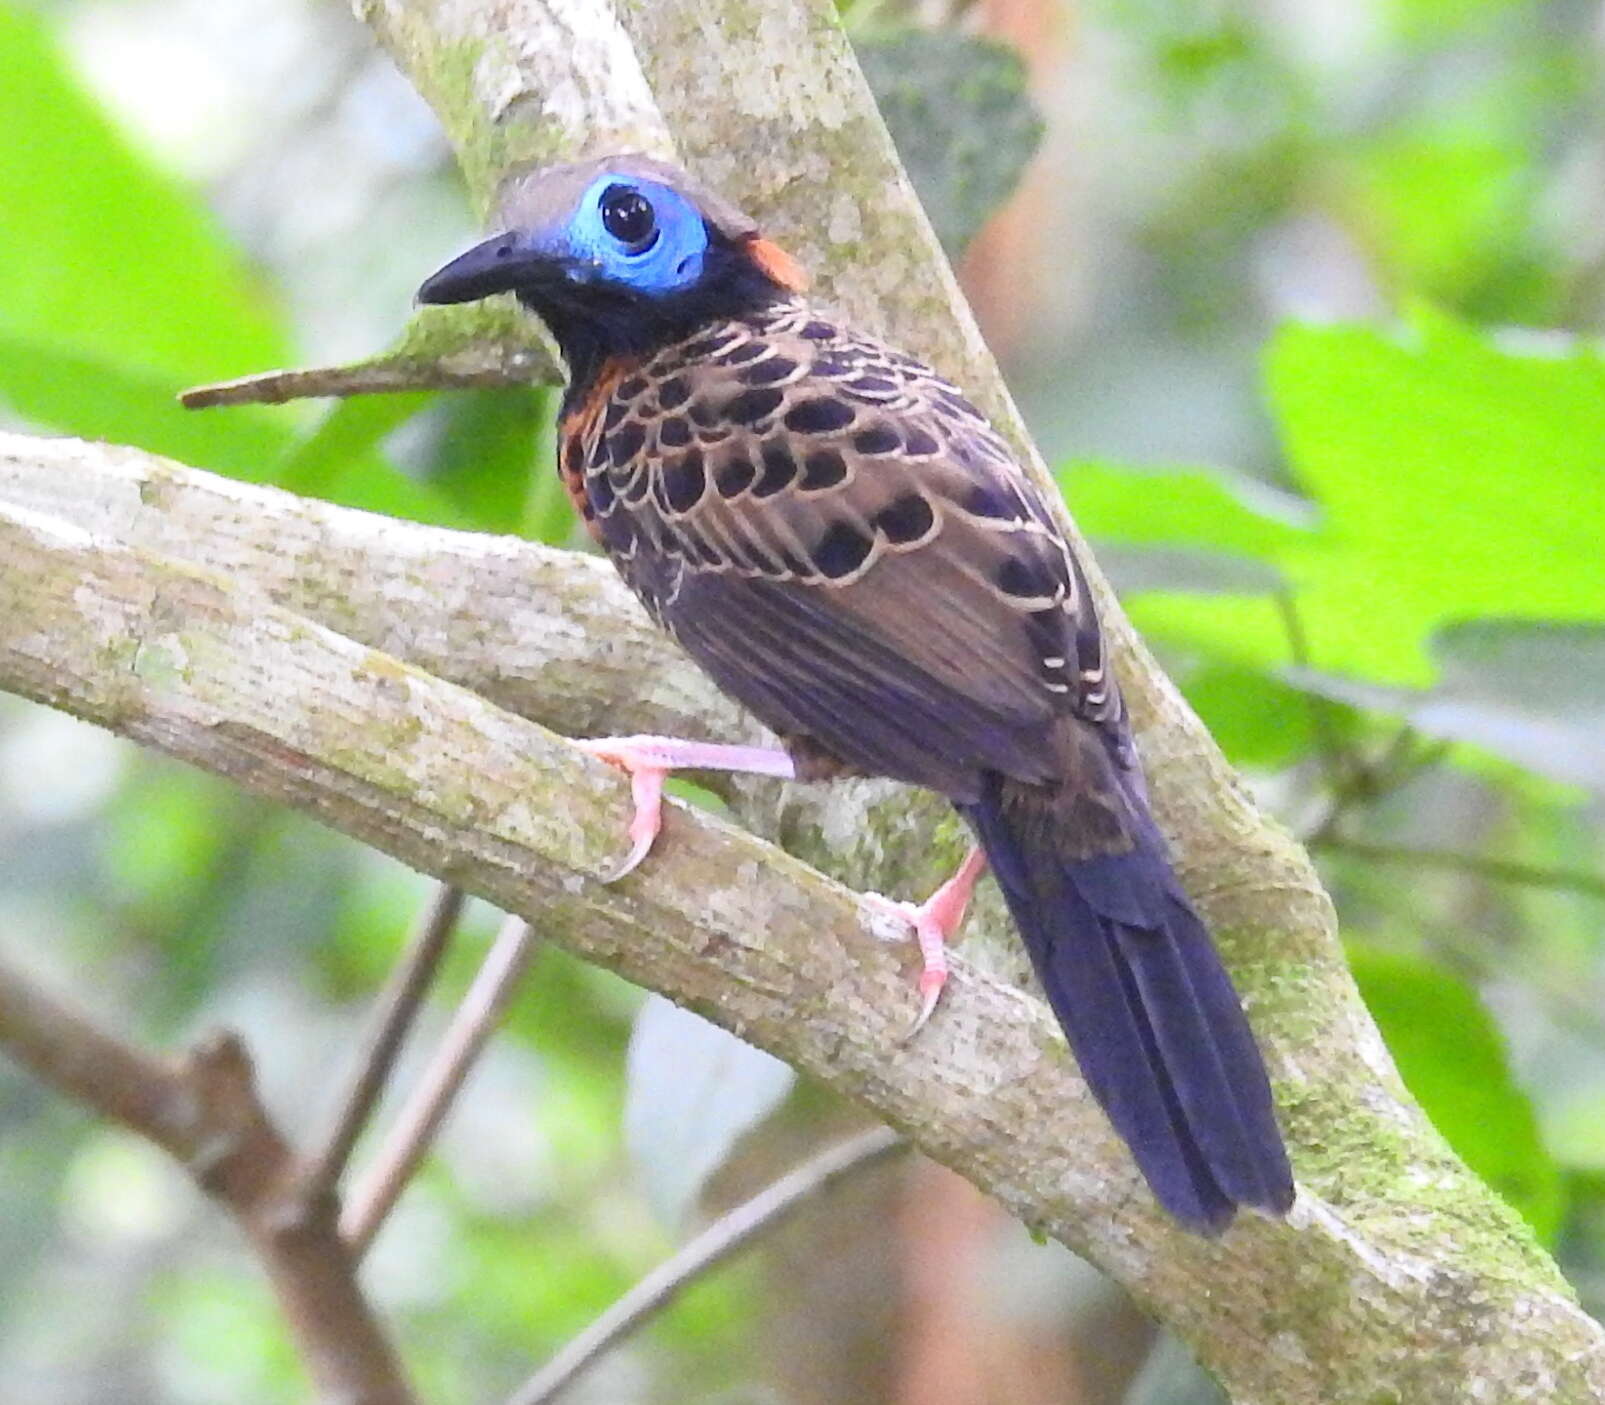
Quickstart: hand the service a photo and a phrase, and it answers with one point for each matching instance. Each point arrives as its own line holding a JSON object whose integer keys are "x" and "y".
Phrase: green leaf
{"x": 1452, "y": 1059}
{"x": 960, "y": 116}
{"x": 101, "y": 252}
{"x": 351, "y": 431}
{"x": 341, "y": 461}
{"x": 1456, "y": 476}
{"x": 1165, "y": 535}
{"x": 1445, "y": 206}
{"x": 84, "y": 394}
{"x": 1181, "y": 600}
{"x": 1257, "y": 720}
{"x": 487, "y": 454}
{"x": 1431, "y": 20}
{"x": 1459, "y": 478}
{"x": 1532, "y": 693}
{"x": 1183, "y": 507}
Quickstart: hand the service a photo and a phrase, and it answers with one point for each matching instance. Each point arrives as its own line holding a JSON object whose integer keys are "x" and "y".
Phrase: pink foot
{"x": 648, "y": 761}
{"x": 935, "y": 921}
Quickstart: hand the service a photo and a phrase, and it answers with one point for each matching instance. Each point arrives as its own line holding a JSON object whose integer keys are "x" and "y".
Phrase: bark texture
{"x": 324, "y": 658}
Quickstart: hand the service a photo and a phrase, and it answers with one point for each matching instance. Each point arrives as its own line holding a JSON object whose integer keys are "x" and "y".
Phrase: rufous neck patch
{"x": 777, "y": 264}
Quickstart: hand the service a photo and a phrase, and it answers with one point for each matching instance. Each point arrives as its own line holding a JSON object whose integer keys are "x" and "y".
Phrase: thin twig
{"x": 395, "y": 1012}
{"x": 1499, "y": 870}
{"x": 1399, "y": 763}
{"x": 325, "y": 382}
{"x": 456, "y": 348}
{"x": 725, "y": 1237}
{"x": 381, "y": 1185}
{"x": 1335, "y": 758}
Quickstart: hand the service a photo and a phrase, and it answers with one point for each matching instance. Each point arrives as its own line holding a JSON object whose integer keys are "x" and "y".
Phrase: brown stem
{"x": 397, "y": 1009}
{"x": 725, "y": 1237}
{"x": 204, "y": 1111}
{"x": 476, "y": 1018}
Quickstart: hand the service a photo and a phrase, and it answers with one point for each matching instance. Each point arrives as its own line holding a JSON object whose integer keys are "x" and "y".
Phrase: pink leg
{"x": 648, "y": 760}
{"x": 936, "y": 921}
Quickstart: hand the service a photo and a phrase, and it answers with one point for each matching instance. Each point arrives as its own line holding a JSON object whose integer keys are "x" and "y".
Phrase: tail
{"x": 1149, "y": 1011}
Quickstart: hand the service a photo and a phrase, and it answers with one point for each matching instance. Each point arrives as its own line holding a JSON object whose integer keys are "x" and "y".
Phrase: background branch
{"x": 203, "y": 1110}
{"x": 394, "y": 1013}
{"x": 474, "y": 1021}
{"x": 725, "y": 1237}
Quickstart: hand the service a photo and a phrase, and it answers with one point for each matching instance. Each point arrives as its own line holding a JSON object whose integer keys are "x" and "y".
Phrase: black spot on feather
{"x": 684, "y": 479}
{"x": 992, "y": 500}
{"x": 776, "y": 368}
{"x": 734, "y": 476}
{"x": 624, "y": 444}
{"x": 823, "y": 468}
{"x": 1024, "y": 579}
{"x": 906, "y": 519}
{"x": 750, "y": 406}
{"x": 877, "y": 439}
{"x": 819, "y": 415}
{"x": 841, "y": 551}
{"x": 740, "y": 355}
{"x": 779, "y": 468}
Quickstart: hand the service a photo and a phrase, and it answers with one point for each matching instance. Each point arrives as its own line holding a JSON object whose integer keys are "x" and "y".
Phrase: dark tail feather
{"x": 1150, "y": 1014}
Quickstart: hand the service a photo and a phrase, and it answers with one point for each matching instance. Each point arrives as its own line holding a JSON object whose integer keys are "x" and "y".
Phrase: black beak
{"x": 499, "y": 265}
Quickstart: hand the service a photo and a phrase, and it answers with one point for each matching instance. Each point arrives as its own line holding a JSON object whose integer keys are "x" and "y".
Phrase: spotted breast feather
{"x": 842, "y": 541}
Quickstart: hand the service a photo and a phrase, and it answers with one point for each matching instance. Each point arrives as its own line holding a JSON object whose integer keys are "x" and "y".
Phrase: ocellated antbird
{"x": 841, "y": 540}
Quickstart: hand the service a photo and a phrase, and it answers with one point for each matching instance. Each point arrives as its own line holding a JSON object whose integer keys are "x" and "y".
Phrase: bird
{"x": 841, "y": 540}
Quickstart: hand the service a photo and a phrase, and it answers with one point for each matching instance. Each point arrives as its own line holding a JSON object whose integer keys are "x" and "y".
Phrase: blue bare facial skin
{"x": 638, "y": 234}
{"x": 625, "y": 232}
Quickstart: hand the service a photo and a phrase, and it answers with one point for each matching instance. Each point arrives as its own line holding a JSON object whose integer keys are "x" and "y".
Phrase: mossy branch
{"x": 306, "y": 651}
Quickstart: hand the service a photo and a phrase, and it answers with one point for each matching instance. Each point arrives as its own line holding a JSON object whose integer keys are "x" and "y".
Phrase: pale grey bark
{"x": 306, "y": 651}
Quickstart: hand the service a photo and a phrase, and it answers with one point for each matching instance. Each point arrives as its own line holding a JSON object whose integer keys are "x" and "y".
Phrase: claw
{"x": 931, "y": 984}
{"x": 648, "y": 760}
{"x": 646, "y": 788}
{"x": 935, "y": 921}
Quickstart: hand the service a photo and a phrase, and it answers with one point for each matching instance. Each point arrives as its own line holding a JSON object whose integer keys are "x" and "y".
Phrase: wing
{"x": 846, "y": 545}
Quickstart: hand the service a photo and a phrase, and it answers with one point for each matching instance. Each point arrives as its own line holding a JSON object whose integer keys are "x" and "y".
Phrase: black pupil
{"x": 627, "y": 216}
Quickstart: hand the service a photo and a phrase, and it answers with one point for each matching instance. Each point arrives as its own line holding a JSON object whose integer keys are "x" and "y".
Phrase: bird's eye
{"x": 628, "y": 217}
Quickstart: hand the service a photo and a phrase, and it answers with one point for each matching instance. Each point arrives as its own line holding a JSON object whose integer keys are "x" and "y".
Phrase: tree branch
{"x": 208, "y": 668}
{"x": 474, "y": 1021}
{"x": 205, "y": 1113}
{"x": 395, "y": 1011}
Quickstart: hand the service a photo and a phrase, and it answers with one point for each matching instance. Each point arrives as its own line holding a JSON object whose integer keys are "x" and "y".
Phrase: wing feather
{"x": 847, "y": 546}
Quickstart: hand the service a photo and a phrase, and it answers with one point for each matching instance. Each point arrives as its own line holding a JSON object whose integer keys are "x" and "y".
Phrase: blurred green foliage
{"x": 1390, "y": 614}
{"x": 964, "y": 125}
{"x": 1467, "y": 1089}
